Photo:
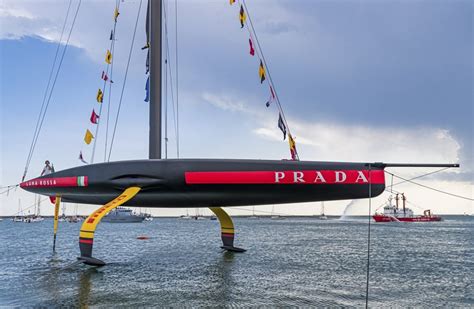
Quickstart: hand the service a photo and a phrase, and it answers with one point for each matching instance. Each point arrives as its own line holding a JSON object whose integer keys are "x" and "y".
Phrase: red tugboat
{"x": 391, "y": 213}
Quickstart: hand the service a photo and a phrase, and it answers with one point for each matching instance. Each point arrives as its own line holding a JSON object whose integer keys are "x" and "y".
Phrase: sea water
{"x": 292, "y": 262}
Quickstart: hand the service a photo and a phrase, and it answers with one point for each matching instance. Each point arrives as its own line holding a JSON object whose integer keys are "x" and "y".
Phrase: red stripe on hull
{"x": 287, "y": 177}
{"x": 412, "y": 219}
{"x": 54, "y": 182}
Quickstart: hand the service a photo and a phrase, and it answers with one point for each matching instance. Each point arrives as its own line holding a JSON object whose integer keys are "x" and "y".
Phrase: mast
{"x": 404, "y": 199}
{"x": 154, "y": 29}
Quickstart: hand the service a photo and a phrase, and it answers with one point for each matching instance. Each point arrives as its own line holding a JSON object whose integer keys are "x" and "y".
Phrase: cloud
{"x": 337, "y": 141}
{"x": 44, "y": 20}
{"x": 18, "y": 22}
{"x": 18, "y": 12}
{"x": 224, "y": 102}
{"x": 278, "y": 27}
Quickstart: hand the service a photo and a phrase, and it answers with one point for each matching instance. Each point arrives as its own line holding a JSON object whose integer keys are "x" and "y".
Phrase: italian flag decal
{"x": 81, "y": 181}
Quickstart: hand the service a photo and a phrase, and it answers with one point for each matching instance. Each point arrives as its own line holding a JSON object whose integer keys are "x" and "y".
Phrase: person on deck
{"x": 48, "y": 169}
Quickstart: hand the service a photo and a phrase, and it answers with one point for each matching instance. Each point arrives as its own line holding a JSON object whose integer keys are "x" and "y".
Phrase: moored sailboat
{"x": 322, "y": 216}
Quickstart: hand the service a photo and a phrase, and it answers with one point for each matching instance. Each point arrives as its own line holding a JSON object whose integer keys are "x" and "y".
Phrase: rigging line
{"x": 10, "y": 186}
{"x": 434, "y": 189}
{"x": 430, "y": 173}
{"x": 30, "y": 153}
{"x": 117, "y": 4}
{"x": 385, "y": 203}
{"x": 8, "y": 190}
{"x": 171, "y": 76}
{"x": 166, "y": 91}
{"x": 177, "y": 78}
{"x": 413, "y": 204}
{"x": 173, "y": 104}
{"x": 49, "y": 82}
{"x": 56, "y": 76}
{"x": 268, "y": 71}
{"x": 125, "y": 80}
{"x": 391, "y": 184}
{"x": 31, "y": 206}
{"x": 260, "y": 56}
{"x": 263, "y": 212}
{"x": 368, "y": 240}
{"x": 108, "y": 111}
{"x": 104, "y": 86}
{"x": 392, "y": 191}
{"x": 399, "y": 192}
{"x": 96, "y": 133}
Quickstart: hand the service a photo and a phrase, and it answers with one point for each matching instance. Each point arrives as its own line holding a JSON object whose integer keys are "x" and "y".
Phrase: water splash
{"x": 349, "y": 211}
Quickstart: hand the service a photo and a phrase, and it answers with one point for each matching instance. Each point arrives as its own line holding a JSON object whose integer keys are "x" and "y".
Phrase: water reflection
{"x": 222, "y": 277}
{"x": 85, "y": 284}
{"x": 312, "y": 263}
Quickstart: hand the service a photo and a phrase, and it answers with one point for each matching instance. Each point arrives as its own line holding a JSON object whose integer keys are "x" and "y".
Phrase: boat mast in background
{"x": 153, "y": 27}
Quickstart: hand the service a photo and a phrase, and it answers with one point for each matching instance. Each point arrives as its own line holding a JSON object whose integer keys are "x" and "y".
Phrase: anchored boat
{"x": 123, "y": 215}
{"x": 392, "y": 213}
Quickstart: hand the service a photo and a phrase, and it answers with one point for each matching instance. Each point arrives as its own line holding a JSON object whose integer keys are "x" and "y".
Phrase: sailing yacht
{"x": 19, "y": 215}
{"x": 75, "y": 218}
{"x": 194, "y": 183}
{"x": 275, "y": 216}
{"x": 63, "y": 217}
{"x": 187, "y": 216}
{"x": 36, "y": 216}
{"x": 322, "y": 216}
{"x": 198, "y": 215}
{"x": 253, "y": 213}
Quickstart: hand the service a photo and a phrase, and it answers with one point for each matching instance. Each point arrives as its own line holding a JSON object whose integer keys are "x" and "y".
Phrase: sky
{"x": 366, "y": 81}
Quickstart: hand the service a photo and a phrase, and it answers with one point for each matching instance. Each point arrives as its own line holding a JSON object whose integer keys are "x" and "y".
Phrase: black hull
{"x": 178, "y": 183}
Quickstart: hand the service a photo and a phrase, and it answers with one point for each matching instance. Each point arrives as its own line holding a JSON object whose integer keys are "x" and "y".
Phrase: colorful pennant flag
{"x": 100, "y": 96}
{"x": 147, "y": 90}
{"x": 242, "y": 16}
{"x": 291, "y": 141}
{"x": 94, "y": 117}
{"x": 272, "y": 97}
{"x": 252, "y": 51}
{"x": 147, "y": 63}
{"x": 104, "y": 76}
{"x": 108, "y": 57}
{"x": 116, "y": 14}
{"x": 261, "y": 72}
{"x": 82, "y": 158}
{"x": 281, "y": 125}
{"x": 88, "y": 137}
